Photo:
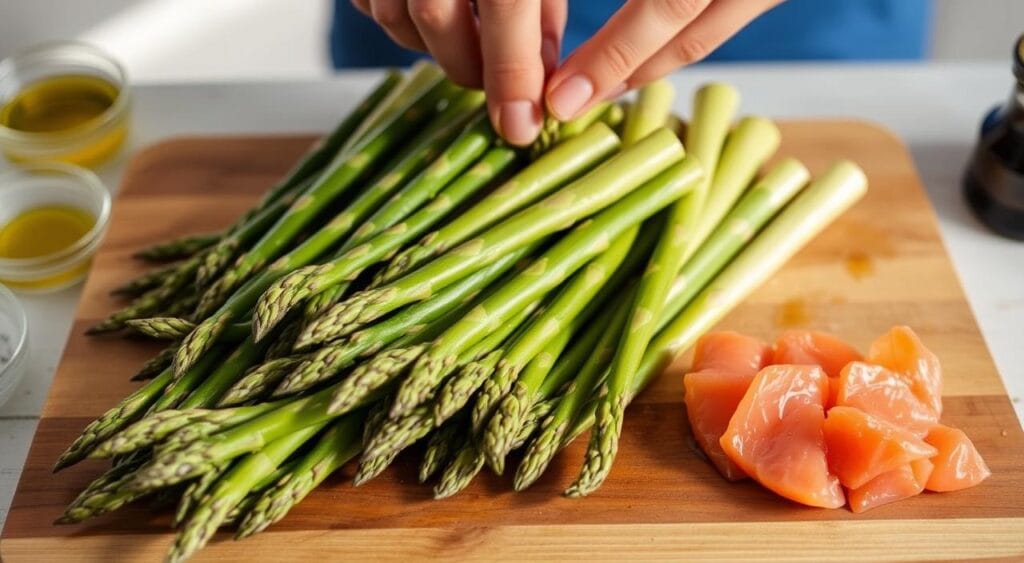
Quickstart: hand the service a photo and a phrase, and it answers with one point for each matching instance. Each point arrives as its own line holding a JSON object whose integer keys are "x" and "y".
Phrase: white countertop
{"x": 936, "y": 109}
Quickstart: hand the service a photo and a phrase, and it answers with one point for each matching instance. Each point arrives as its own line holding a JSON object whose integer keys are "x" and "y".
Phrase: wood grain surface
{"x": 881, "y": 264}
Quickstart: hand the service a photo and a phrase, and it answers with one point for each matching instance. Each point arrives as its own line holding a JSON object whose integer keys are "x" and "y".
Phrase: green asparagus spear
{"x": 421, "y": 75}
{"x": 595, "y": 191}
{"x": 147, "y": 281}
{"x": 714, "y": 107}
{"x": 469, "y": 146}
{"x": 825, "y": 199}
{"x": 398, "y": 433}
{"x": 126, "y": 412}
{"x": 232, "y": 488}
{"x": 553, "y": 428}
{"x": 259, "y": 381}
{"x": 456, "y": 392}
{"x": 324, "y": 150}
{"x": 194, "y": 494}
{"x": 508, "y": 419}
{"x": 153, "y": 300}
{"x": 747, "y": 148}
{"x": 469, "y": 460}
{"x": 248, "y": 232}
{"x": 207, "y": 332}
{"x": 642, "y": 118}
{"x": 564, "y": 163}
{"x": 752, "y": 212}
{"x": 335, "y": 447}
{"x": 202, "y": 456}
{"x": 546, "y": 272}
{"x": 649, "y": 113}
{"x": 177, "y": 249}
{"x": 330, "y": 360}
{"x": 154, "y": 428}
{"x": 576, "y": 302}
{"x": 479, "y": 361}
{"x": 158, "y": 363}
{"x": 174, "y": 328}
{"x": 103, "y": 495}
{"x": 339, "y": 178}
{"x": 441, "y": 446}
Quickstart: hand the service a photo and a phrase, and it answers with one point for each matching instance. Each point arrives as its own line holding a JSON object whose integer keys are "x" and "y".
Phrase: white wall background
{"x": 188, "y": 40}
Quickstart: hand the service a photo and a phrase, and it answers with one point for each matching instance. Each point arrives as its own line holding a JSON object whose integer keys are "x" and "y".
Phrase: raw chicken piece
{"x": 903, "y": 482}
{"x": 902, "y": 351}
{"x": 958, "y": 464}
{"x": 881, "y": 392}
{"x": 862, "y": 447}
{"x": 818, "y": 349}
{"x": 724, "y": 364}
{"x": 776, "y": 436}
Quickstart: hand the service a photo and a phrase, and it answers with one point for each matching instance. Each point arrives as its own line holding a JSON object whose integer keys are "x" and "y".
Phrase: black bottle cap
{"x": 1018, "y": 59}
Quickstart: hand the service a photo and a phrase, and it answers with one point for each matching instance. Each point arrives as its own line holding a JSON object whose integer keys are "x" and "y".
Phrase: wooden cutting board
{"x": 881, "y": 264}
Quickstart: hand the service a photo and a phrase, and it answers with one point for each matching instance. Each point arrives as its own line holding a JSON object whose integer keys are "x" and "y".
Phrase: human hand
{"x": 510, "y": 49}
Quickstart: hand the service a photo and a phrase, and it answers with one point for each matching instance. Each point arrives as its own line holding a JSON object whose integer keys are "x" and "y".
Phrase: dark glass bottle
{"x": 994, "y": 181}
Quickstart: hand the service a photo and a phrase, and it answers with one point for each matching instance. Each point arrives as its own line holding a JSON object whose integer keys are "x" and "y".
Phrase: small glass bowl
{"x": 87, "y": 144}
{"x": 40, "y": 185}
{"x": 13, "y": 343}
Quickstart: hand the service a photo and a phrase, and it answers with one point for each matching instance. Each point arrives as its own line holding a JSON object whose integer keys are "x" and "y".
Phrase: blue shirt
{"x": 794, "y": 30}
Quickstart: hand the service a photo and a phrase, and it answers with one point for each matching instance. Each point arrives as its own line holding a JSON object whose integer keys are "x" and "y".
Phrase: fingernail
{"x": 617, "y": 91}
{"x": 520, "y": 122}
{"x": 569, "y": 97}
{"x": 549, "y": 55}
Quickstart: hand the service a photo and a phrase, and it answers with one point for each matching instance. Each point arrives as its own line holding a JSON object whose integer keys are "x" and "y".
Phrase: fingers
{"x": 363, "y": 6}
{"x": 513, "y": 72}
{"x": 393, "y": 16}
{"x": 712, "y": 27}
{"x": 448, "y": 28}
{"x": 600, "y": 67}
{"x": 553, "y": 15}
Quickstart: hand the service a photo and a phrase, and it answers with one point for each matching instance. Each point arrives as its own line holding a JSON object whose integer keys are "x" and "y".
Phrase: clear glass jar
{"x": 45, "y": 185}
{"x": 88, "y": 143}
{"x": 13, "y": 343}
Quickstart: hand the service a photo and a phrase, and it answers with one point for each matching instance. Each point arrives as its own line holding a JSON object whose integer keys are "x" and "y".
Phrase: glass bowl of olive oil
{"x": 52, "y": 219}
{"x": 13, "y": 343}
{"x": 64, "y": 101}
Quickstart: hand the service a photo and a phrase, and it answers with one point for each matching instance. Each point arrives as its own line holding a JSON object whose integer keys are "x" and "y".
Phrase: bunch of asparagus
{"x": 413, "y": 279}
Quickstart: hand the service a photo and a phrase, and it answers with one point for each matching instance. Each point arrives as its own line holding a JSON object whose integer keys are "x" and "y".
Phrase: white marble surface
{"x": 935, "y": 108}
